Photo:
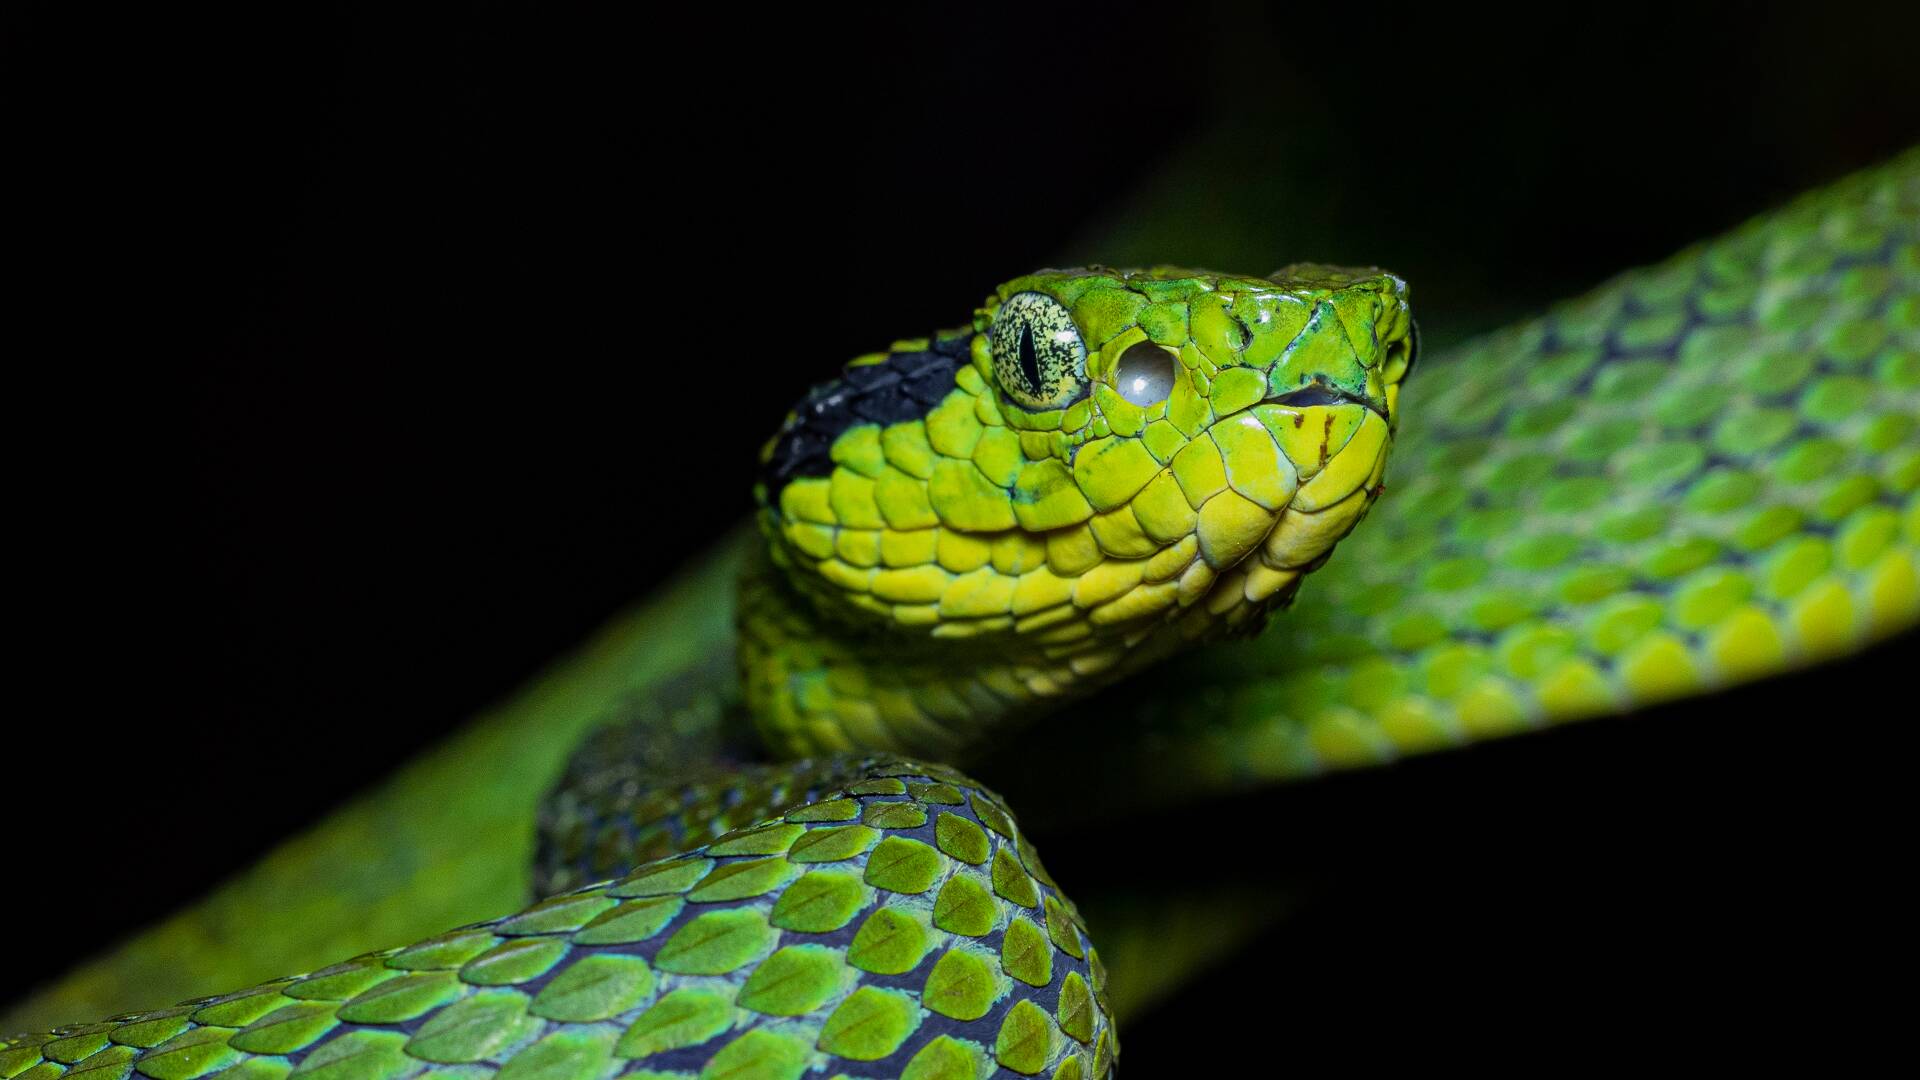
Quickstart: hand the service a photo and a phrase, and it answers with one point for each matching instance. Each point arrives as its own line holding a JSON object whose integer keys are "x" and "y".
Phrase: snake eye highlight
{"x": 1039, "y": 358}
{"x": 1144, "y": 374}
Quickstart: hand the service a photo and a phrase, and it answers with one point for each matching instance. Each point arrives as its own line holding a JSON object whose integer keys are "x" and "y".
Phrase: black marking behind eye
{"x": 904, "y": 386}
{"x": 1030, "y": 360}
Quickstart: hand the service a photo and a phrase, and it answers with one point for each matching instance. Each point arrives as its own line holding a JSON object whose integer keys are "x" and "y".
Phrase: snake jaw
{"x": 1299, "y": 474}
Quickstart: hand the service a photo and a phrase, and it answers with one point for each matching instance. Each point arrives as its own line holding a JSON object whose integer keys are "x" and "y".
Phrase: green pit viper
{"x": 1703, "y": 473}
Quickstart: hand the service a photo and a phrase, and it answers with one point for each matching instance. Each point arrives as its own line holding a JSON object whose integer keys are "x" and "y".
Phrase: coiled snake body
{"x": 1701, "y": 474}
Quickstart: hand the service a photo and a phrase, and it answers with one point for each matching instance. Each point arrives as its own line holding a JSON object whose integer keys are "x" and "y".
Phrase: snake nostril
{"x": 1144, "y": 375}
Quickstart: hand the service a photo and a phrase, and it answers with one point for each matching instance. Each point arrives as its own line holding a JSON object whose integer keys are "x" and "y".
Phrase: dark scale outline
{"x": 933, "y": 1025}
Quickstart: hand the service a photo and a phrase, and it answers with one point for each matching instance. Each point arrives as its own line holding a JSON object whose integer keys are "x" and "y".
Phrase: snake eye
{"x": 1144, "y": 374}
{"x": 1039, "y": 358}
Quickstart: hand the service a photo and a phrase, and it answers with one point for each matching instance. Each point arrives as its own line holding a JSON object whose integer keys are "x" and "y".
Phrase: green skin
{"x": 1701, "y": 474}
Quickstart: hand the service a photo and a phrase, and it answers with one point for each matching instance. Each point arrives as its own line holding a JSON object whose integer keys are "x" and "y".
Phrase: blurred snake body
{"x": 1059, "y": 530}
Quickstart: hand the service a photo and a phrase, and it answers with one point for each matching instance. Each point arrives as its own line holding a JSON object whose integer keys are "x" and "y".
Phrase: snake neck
{"x": 819, "y": 680}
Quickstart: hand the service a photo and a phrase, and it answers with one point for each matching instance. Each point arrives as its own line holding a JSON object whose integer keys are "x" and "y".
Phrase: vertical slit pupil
{"x": 1029, "y": 359}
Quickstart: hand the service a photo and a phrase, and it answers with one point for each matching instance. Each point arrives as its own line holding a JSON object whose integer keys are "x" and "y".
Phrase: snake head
{"x": 1186, "y": 421}
{"x": 1103, "y": 465}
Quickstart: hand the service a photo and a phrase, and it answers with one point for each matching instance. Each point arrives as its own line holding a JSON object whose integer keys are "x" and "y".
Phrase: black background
{"x": 441, "y": 337}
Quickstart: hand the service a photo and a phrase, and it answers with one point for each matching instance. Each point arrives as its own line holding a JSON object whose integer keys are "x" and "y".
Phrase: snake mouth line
{"x": 1319, "y": 393}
